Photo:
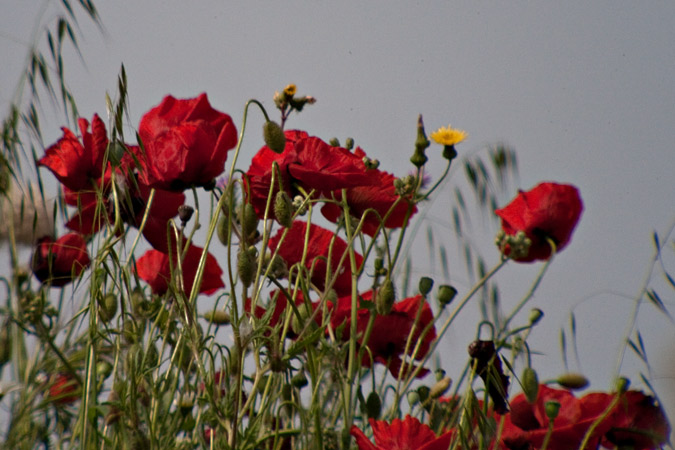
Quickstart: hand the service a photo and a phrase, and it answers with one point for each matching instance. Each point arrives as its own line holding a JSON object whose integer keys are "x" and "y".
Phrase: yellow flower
{"x": 448, "y": 136}
{"x": 290, "y": 90}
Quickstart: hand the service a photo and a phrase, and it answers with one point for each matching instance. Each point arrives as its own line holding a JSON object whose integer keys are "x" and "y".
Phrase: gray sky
{"x": 584, "y": 91}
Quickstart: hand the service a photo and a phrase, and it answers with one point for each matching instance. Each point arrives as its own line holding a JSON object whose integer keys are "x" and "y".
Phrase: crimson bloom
{"x": 390, "y": 332}
{"x": 635, "y": 420}
{"x": 155, "y": 268}
{"x": 406, "y": 434}
{"x": 63, "y": 390}
{"x": 60, "y": 262}
{"x": 321, "y": 243}
{"x": 75, "y": 164}
{"x": 380, "y": 195}
{"x": 185, "y": 143}
{"x": 550, "y": 211}
{"x": 307, "y": 162}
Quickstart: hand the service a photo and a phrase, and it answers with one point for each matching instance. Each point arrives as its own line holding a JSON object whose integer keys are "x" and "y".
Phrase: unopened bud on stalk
{"x": 218, "y": 317}
{"x": 273, "y": 136}
{"x": 622, "y": 384}
{"x": 425, "y": 285}
{"x": 248, "y": 219}
{"x": 373, "y": 406}
{"x": 413, "y": 398}
{"x": 530, "y": 383}
{"x": 552, "y": 409}
{"x": 421, "y": 143}
{"x": 446, "y": 294}
{"x": 386, "y": 296}
{"x": 536, "y": 315}
{"x": 5, "y": 344}
{"x": 572, "y": 381}
{"x": 440, "y": 387}
{"x": 349, "y": 143}
{"x": 299, "y": 380}
{"x": 334, "y": 142}
{"x": 107, "y": 307}
{"x": 283, "y": 209}
{"x": 246, "y": 265}
{"x": 103, "y": 369}
{"x": 221, "y": 229}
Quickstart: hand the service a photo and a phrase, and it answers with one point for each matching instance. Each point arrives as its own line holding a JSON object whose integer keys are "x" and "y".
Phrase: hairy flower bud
{"x": 273, "y": 136}
{"x": 535, "y": 316}
{"x": 572, "y": 381}
{"x": 221, "y": 229}
{"x": 248, "y": 219}
{"x": 421, "y": 143}
{"x": 386, "y": 296}
{"x": 373, "y": 406}
{"x": 299, "y": 380}
{"x": 530, "y": 383}
{"x": 218, "y": 317}
{"x": 283, "y": 209}
{"x": 440, "y": 387}
{"x": 246, "y": 266}
{"x": 107, "y": 307}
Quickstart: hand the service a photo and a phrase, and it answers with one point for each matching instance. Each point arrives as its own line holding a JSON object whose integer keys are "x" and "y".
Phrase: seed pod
{"x": 386, "y": 296}
{"x": 425, "y": 285}
{"x": 446, "y": 294}
{"x": 299, "y": 380}
{"x": 535, "y": 316}
{"x": 273, "y": 136}
{"x": 552, "y": 408}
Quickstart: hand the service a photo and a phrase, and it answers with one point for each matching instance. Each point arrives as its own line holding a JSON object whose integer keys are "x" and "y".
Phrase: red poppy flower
{"x": 258, "y": 179}
{"x": 155, "y": 268}
{"x": 639, "y": 423}
{"x": 185, "y": 143}
{"x": 321, "y": 243}
{"x": 59, "y": 262}
{"x": 390, "y": 332}
{"x": 527, "y": 424}
{"x": 380, "y": 195}
{"x": 63, "y": 390}
{"x": 406, "y": 434}
{"x": 549, "y": 210}
{"x": 76, "y": 164}
{"x": 306, "y": 162}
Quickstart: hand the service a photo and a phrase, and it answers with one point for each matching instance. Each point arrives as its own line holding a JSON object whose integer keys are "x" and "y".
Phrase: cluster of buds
{"x": 515, "y": 246}
{"x": 286, "y": 100}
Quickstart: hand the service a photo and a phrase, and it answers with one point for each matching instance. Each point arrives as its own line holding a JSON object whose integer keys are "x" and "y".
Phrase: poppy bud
{"x": 413, "y": 398}
{"x": 440, "y": 387}
{"x": 246, "y": 266}
{"x": 248, "y": 219}
{"x": 386, "y": 296}
{"x": 222, "y": 230}
{"x": 530, "y": 383}
{"x": 446, "y": 294}
{"x": 349, "y": 143}
{"x": 107, "y": 307}
{"x": 535, "y": 316}
{"x": 572, "y": 381}
{"x": 421, "y": 143}
{"x": 373, "y": 406}
{"x": 274, "y": 137}
{"x": 5, "y": 344}
{"x": 103, "y": 369}
{"x": 425, "y": 285}
{"x": 283, "y": 209}
{"x": 299, "y": 380}
{"x": 552, "y": 409}
{"x": 218, "y": 317}
{"x": 334, "y": 142}
{"x": 622, "y": 384}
